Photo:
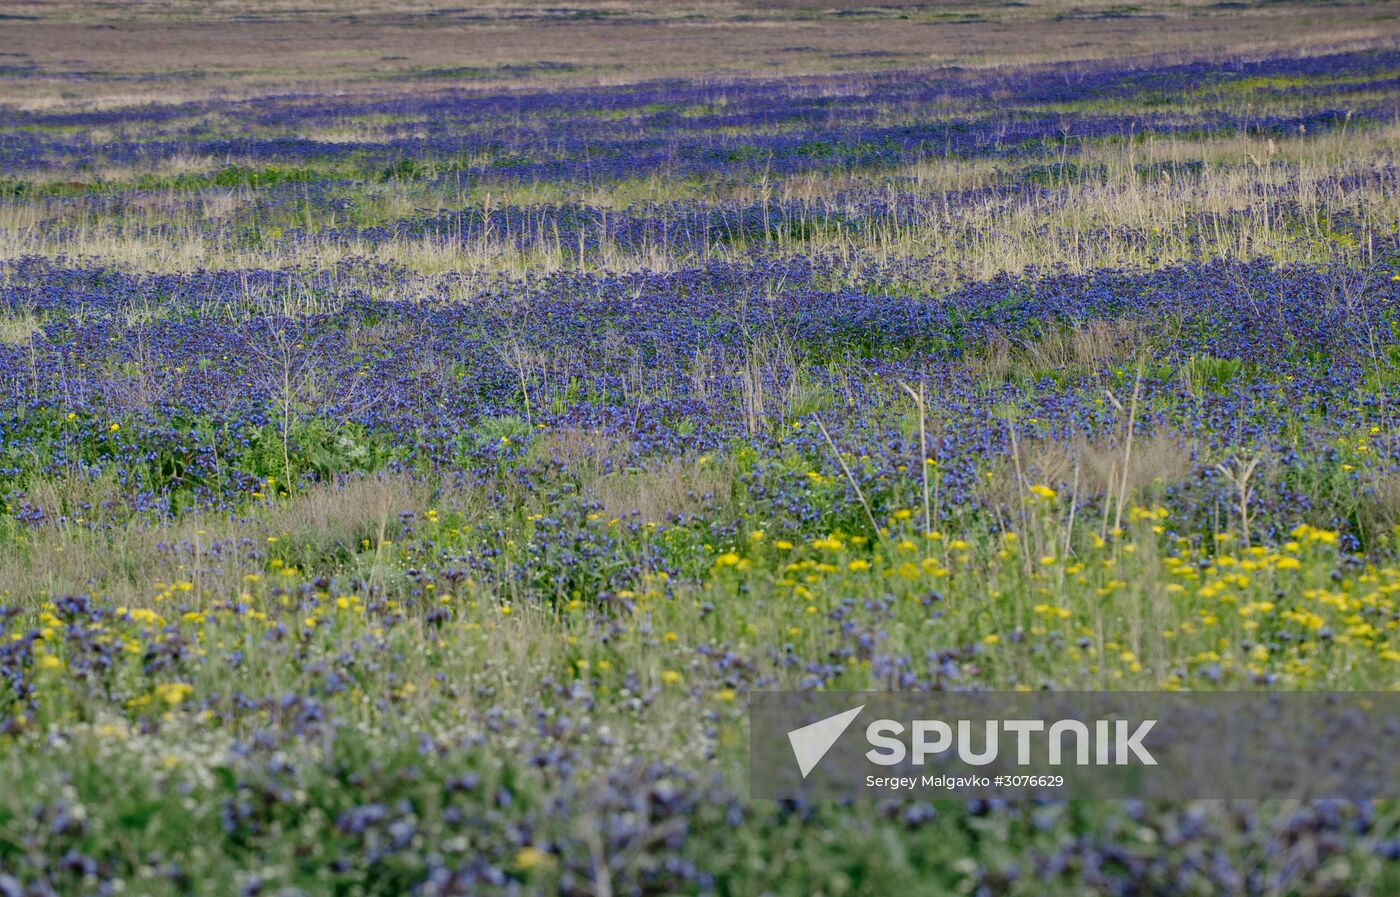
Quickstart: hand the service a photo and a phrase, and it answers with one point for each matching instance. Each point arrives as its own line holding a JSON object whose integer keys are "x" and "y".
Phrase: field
{"x": 422, "y": 428}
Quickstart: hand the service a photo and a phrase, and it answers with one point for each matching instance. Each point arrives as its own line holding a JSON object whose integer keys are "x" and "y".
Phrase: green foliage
{"x": 1208, "y": 374}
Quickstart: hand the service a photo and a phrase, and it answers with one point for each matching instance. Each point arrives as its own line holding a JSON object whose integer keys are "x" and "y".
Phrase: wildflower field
{"x": 410, "y": 461}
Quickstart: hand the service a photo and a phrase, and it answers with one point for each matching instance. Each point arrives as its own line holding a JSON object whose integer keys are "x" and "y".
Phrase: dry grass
{"x": 1379, "y": 511}
{"x": 1100, "y": 467}
{"x": 660, "y": 492}
{"x": 1093, "y": 345}
{"x": 653, "y": 493}
{"x": 90, "y": 545}
{"x": 246, "y": 49}
{"x": 18, "y": 329}
{"x": 1229, "y": 198}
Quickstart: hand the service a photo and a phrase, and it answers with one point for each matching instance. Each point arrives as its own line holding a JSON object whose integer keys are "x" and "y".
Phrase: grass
{"x": 1218, "y": 198}
{"x": 402, "y": 499}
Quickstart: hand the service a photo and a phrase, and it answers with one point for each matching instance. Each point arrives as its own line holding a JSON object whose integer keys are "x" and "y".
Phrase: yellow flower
{"x": 111, "y": 730}
{"x": 671, "y": 677}
{"x": 933, "y": 568}
{"x": 527, "y": 858}
{"x": 173, "y": 693}
{"x": 858, "y": 565}
{"x": 1043, "y": 492}
{"x": 142, "y": 615}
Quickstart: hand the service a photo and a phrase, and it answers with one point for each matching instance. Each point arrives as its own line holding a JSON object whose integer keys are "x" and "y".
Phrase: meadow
{"x": 410, "y": 469}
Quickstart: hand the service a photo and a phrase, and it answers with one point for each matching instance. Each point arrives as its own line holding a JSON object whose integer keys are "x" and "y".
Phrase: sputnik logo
{"x": 810, "y": 743}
